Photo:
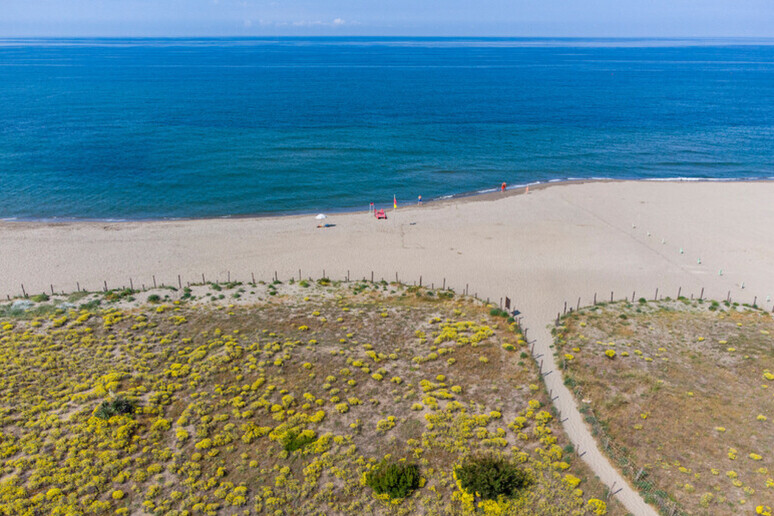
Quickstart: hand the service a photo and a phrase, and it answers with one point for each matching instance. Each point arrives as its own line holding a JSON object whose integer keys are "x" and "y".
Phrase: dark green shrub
{"x": 396, "y": 479}
{"x": 119, "y": 405}
{"x": 154, "y": 298}
{"x": 490, "y": 477}
{"x": 40, "y": 298}
{"x": 324, "y": 282}
{"x": 294, "y": 440}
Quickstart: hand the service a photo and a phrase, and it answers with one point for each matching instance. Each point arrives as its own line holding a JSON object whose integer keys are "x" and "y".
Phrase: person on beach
{"x": 419, "y": 201}
{"x": 502, "y": 187}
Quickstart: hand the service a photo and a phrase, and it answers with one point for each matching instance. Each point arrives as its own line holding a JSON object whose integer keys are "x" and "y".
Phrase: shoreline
{"x": 554, "y": 249}
{"x": 464, "y": 197}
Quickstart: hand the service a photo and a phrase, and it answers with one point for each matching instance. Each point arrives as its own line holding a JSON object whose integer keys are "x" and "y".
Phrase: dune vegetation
{"x": 302, "y": 398}
{"x": 680, "y": 393}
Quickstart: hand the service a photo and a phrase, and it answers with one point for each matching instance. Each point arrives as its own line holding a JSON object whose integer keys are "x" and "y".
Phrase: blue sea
{"x": 177, "y": 128}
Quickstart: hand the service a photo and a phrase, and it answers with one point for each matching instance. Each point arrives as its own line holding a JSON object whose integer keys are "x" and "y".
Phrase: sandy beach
{"x": 562, "y": 244}
{"x": 559, "y": 243}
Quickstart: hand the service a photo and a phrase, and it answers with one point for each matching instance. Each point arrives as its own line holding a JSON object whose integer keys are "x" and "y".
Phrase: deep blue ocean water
{"x": 136, "y": 129}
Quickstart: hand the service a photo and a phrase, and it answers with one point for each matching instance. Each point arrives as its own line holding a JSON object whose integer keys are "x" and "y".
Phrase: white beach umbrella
{"x": 321, "y": 216}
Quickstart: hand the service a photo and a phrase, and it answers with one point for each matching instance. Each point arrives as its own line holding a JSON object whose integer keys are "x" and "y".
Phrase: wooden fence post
{"x": 154, "y": 280}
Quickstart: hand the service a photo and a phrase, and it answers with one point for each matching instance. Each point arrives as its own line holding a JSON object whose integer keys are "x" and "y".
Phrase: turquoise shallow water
{"x": 139, "y": 129}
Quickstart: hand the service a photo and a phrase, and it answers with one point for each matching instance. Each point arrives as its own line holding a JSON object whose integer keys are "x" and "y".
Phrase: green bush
{"x": 119, "y": 405}
{"x": 396, "y": 479}
{"x": 40, "y": 298}
{"x": 295, "y": 440}
{"x": 490, "y": 477}
{"x": 154, "y": 298}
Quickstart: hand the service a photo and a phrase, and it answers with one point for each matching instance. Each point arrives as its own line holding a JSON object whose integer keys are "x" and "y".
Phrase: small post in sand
{"x": 52, "y": 289}
{"x": 680, "y": 289}
{"x": 595, "y": 298}
{"x": 131, "y": 284}
{"x": 701, "y": 296}
{"x": 24, "y": 292}
{"x": 611, "y": 296}
{"x": 154, "y": 280}
{"x": 655, "y": 297}
{"x": 578, "y": 307}
{"x": 179, "y": 281}
{"x": 105, "y": 282}
{"x": 228, "y": 276}
{"x": 203, "y": 280}
{"x": 252, "y": 276}
{"x": 444, "y": 284}
{"x": 77, "y": 286}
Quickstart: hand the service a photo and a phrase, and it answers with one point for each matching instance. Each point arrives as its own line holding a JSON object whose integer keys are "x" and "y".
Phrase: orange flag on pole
{"x": 394, "y": 202}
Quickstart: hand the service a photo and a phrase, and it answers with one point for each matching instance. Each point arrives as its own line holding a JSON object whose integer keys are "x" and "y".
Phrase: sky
{"x": 525, "y": 18}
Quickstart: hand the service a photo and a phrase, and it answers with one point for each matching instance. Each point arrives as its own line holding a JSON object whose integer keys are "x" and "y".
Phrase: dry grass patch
{"x": 682, "y": 396}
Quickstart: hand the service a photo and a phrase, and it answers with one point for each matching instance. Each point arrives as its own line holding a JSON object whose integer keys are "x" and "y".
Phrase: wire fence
{"x": 179, "y": 283}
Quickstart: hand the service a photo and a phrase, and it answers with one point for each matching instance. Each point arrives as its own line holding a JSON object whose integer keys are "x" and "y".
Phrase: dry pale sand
{"x": 552, "y": 246}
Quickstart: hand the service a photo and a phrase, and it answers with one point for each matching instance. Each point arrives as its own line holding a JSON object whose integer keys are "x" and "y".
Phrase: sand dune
{"x": 555, "y": 245}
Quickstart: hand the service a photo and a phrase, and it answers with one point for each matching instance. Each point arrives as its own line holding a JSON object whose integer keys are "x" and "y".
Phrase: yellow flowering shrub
{"x": 267, "y": 407}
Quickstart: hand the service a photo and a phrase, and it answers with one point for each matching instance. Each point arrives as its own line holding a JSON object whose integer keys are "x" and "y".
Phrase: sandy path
{"x": 552, "y": 246}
